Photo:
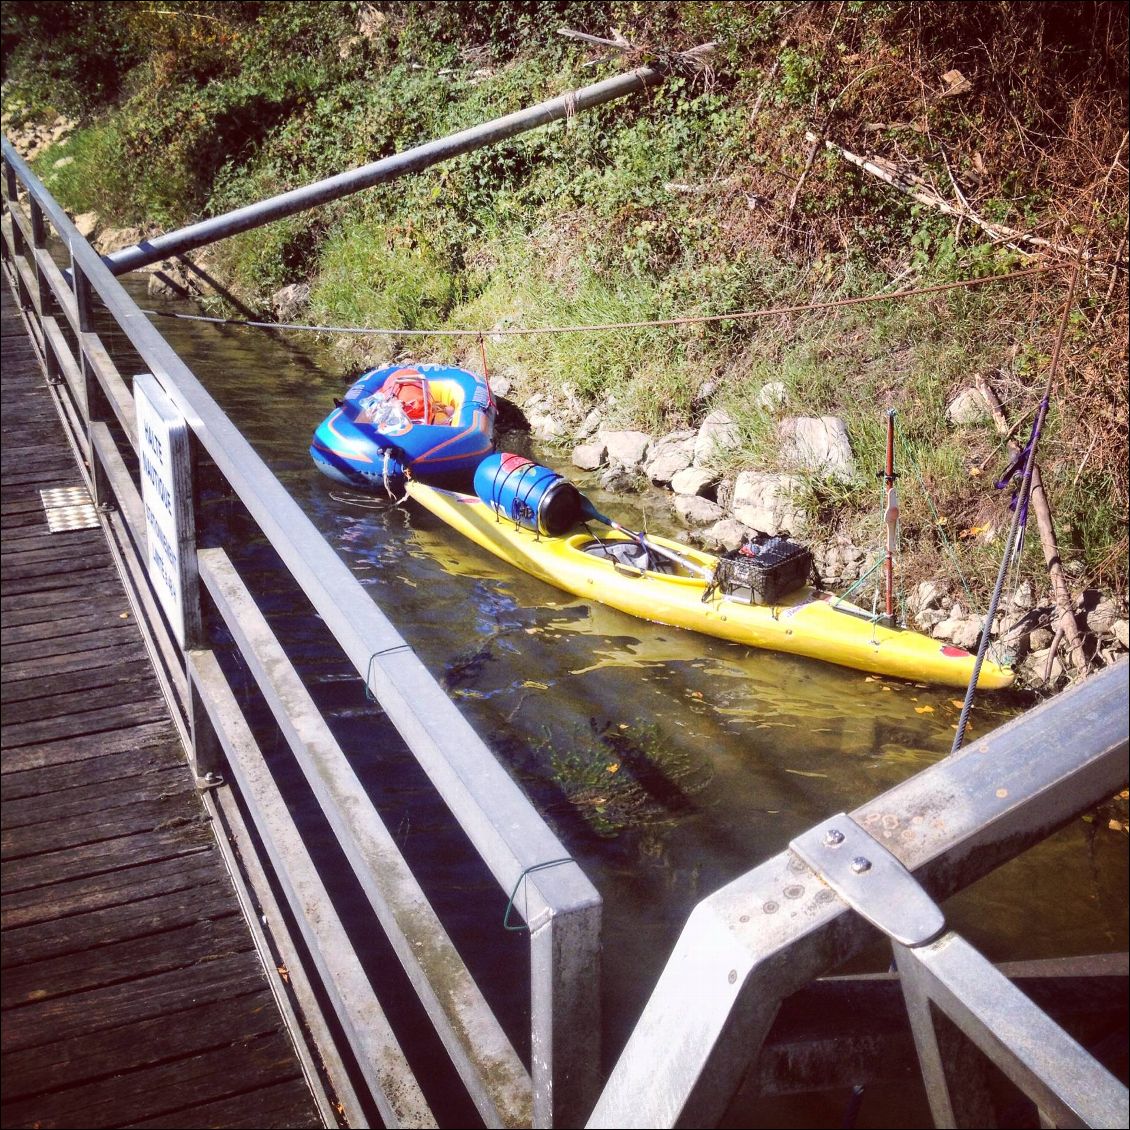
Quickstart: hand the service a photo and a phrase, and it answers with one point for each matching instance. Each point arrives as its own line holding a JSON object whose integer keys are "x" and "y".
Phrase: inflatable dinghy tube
{"x": 528, "y": 494}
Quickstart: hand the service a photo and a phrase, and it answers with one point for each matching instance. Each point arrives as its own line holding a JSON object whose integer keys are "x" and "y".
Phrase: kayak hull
{"x": 806, "y": 622}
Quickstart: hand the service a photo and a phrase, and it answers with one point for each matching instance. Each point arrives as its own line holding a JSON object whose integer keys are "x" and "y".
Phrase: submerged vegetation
{"x": 705, "y": 197}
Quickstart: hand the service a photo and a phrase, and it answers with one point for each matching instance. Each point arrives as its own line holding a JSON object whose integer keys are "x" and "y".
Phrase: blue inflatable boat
{"x": 433, "y": 421}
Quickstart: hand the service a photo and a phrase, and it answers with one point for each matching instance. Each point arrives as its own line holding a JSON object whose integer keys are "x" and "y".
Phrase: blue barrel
{"x": 530, "y": 495}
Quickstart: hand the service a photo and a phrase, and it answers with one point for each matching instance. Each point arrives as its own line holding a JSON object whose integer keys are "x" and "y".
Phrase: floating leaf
{"x": 614, "y": 767}
{"x": 923, "y": 710}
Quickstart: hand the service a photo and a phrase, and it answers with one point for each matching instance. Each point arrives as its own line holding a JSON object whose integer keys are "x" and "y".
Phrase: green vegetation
{"x": 625, "y": 776}
{"x": 702, "y": 198}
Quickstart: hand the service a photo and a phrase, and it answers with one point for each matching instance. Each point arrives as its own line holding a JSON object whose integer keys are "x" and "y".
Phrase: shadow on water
{"x": 667, "y": 762}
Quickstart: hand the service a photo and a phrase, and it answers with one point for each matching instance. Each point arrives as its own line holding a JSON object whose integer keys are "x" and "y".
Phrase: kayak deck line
{"x": 807, "y": 622}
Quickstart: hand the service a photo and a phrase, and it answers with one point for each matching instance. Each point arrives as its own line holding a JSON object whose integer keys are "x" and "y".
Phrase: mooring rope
{"x": 686, "y": 320}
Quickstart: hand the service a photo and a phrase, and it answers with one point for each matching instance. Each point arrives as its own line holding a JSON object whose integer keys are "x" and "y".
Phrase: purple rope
{"x": 1022, "y": 463}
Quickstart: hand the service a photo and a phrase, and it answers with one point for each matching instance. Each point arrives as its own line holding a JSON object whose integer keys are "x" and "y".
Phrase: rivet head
{"x": 859, "y": 865}
{"x": 833, "y": 837}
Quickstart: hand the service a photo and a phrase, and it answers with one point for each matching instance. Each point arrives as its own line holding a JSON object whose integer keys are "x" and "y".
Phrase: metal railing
{"x": 744, "y": 949}
{"x": 803, "y": 913}
{"x": 561, "y": 907}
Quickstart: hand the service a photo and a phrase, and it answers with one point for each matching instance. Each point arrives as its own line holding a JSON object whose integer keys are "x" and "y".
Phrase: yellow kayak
{"x": 806, "y": 622}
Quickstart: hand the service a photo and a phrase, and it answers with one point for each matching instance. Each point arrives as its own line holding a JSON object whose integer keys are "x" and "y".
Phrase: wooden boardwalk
{"x": 132, "y": 994}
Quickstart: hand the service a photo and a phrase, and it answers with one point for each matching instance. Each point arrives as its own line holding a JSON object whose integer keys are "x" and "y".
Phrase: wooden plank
{"x": 96, "y": 799}
{"x": 108, "y": 587}
{"x": 84, "y": 682}
{"x": 109, "y": 855}
{"x": 116, "y": 635}
{"x": 22, "y": 608}
{"x": 133, "y": 920}
{"x": 163, "y": 1091}
{"x": 94, "y": 892}
{"x": 29, "y": 540}
{"x": 83, "y": 746}
{"x": 46, "y": 781}
{"x": 78, "y": 1060}
{"x": 44, "y": 564}
{"x": 132, "y": 961}
{"x": 81, "y": 723}
{"x": 97, "y": 827}
{"x": 271, "y": 1106}
{"x": 132, "y": 680}
{"x": 79, "y": 621}
{"x": 92, "y": 1011}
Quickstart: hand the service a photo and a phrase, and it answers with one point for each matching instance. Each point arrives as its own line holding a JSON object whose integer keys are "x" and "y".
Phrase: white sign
{"x": 166, "y": 493}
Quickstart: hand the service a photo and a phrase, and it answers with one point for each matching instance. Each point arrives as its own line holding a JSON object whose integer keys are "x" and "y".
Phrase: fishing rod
{"x": 590, "y": 511}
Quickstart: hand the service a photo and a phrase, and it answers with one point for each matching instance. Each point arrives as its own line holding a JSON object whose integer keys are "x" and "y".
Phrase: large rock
{"x": 959, "y": 630}
{"x": 768, "y": 502}
{"x": 626, "y": 449}
{"x": 546, "y": 426}
{"x": 697, "y": 511}
{"x": 168, "y": 279}
{"x": 290, "y": 301}
{"x": 968, "y": 407}
{"x": 87, "y": 225}
{"x": 670, "y": 455}
{"x": 718, "y": 433}
{"x": 816, "y": 443}
{"x": 1101, "y": 618}
{"x": 723, "y": 536}
{"x": 115, "y": 239}
{"x": 926, "y": 596}
{"x": 771, "y": 397}
{"x": 589, "y": 456}
{"x": 694, "y": 480}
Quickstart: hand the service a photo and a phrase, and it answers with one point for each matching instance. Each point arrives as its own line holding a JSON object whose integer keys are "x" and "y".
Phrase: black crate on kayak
{"x": 762, "y": 570}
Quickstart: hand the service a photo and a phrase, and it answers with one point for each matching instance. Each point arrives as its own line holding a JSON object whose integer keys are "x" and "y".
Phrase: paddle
{"x": 590, "y": 511}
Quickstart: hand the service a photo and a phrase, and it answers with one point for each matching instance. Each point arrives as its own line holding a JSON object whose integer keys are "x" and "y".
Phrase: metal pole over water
{"x": 388, "y": 168}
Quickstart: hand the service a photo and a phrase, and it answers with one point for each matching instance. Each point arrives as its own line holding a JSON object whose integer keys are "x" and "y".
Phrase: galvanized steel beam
{"x": 774, "y": 929}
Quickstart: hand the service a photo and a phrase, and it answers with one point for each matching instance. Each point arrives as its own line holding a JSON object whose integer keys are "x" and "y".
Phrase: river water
{"x": 668, "y": 763}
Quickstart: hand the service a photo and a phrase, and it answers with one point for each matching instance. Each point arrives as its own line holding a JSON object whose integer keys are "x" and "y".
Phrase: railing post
{"x": 39, "y": 244}
{"x": 96, "y": 412}
{"x": 565, "y": 1016}
{"x": 209, "y": 761}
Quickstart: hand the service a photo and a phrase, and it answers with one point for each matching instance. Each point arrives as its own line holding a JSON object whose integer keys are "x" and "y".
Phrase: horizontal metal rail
{"x": 483, "y": 1056}
{"x": 390, "y": 1078}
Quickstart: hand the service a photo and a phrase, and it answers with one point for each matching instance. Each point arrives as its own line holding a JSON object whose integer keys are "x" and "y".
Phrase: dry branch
{"x": 918, "y": 190}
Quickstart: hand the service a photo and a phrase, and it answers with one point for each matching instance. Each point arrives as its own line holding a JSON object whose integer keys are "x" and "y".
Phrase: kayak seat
{"x": 630, "y": 554}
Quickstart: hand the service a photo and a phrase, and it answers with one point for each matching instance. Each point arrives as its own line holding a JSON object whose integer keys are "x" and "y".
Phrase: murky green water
{"x": 669, "y": 763}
